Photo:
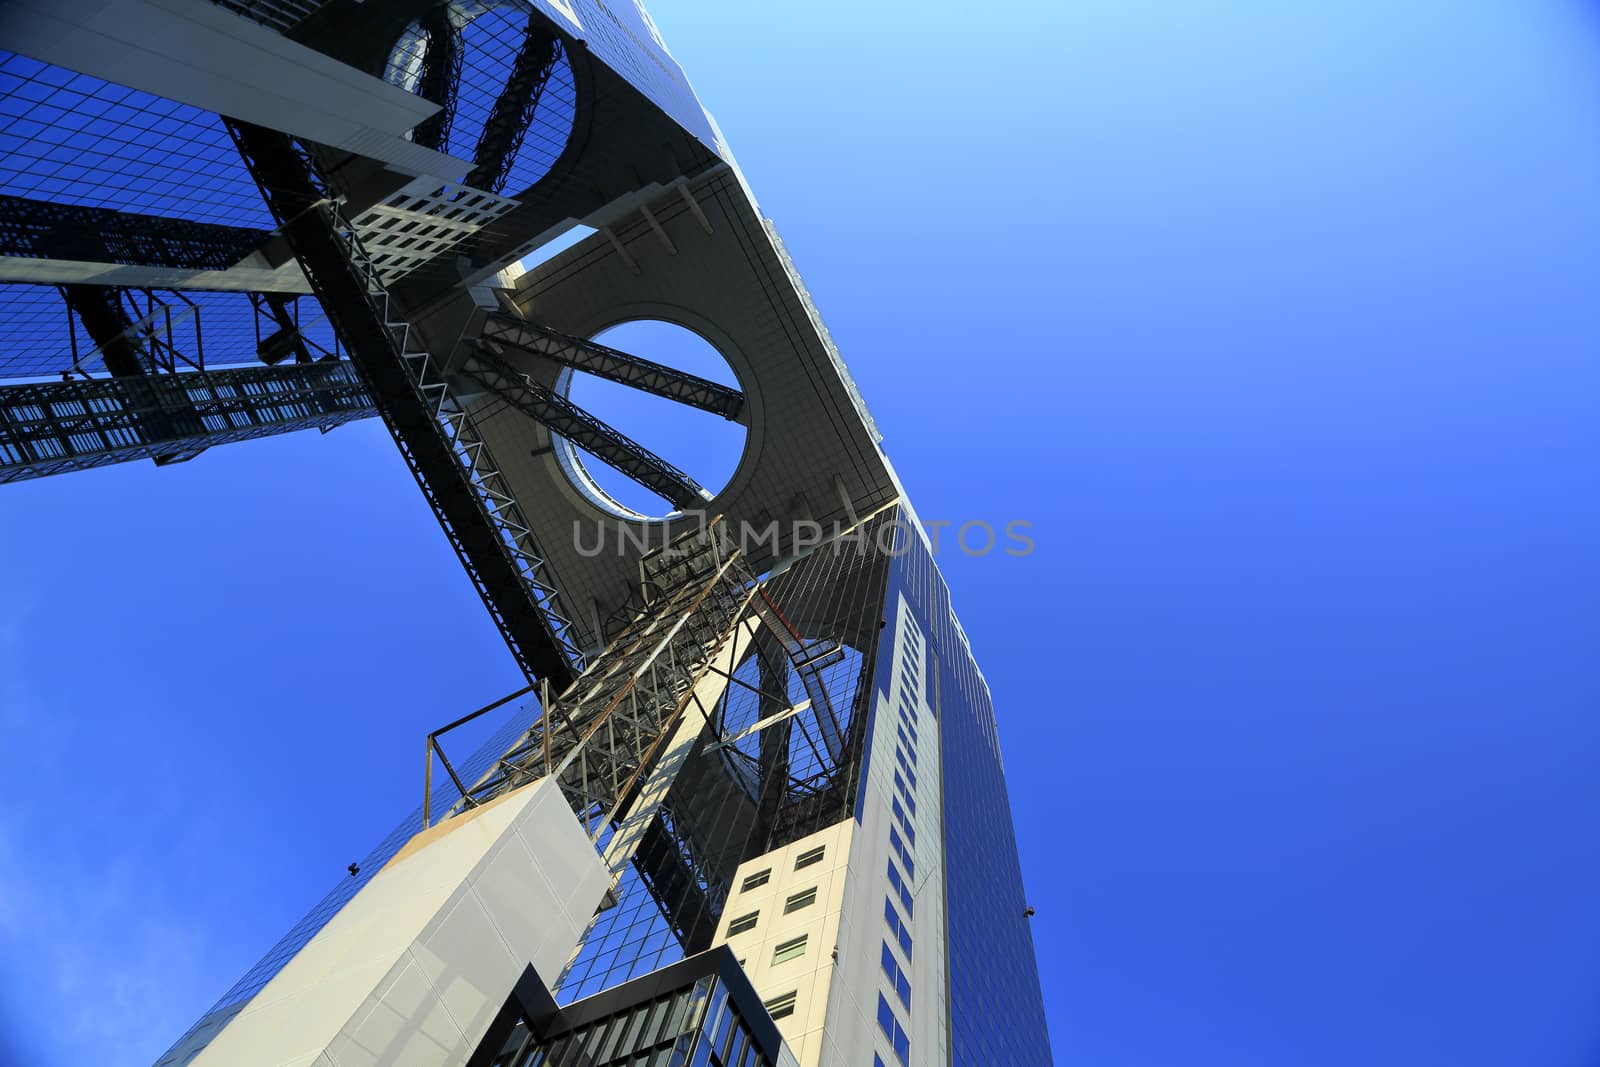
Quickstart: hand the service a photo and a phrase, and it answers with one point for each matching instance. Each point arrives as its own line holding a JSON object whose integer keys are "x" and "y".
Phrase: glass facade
{"x": 769, "y": 789}
{"x": 696, "y": 1013}
{"x": 623, "y": 36}
{"x": 489, "y": 42}
{"x": 996, "y": 1010}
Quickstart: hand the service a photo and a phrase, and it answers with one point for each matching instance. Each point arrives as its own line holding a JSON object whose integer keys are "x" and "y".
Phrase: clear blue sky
{"x": 1278, "y": 321}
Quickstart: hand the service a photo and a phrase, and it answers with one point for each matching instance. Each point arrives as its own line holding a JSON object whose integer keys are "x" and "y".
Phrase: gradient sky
{"x": 1277, "y": 321}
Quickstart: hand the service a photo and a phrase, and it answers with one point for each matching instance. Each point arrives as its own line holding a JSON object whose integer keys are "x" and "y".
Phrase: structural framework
{"x": 749, "y": 807}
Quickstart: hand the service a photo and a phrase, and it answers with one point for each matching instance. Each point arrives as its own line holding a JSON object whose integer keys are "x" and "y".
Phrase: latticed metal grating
{"x": 52, "y": 427}
{"x": 423, "y": 220}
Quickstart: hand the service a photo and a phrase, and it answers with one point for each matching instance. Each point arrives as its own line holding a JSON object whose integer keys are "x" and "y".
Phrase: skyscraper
{"x": 750, "y": 807}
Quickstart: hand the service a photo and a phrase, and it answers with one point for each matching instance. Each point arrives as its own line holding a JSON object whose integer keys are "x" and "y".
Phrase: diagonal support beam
{"x": 561, "y": 416}
{"x": 440, "y": 80}
{"x": 483, "y": 523}
{"x": 99, "y": 308}
{"x": 513, "y": 109}
{"x": 591, "y": 357}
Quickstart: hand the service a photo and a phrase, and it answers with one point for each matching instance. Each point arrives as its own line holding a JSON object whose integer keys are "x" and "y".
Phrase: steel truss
{"x": 690, "y": 901}
{"x": 133, "y": 332}
{"x": 440, "y": 79}
{"x": 514, "y": 108}
{"x": 502, "y": 329}
{"x": 446, "y": 455}
{"x": 79, "y": 424}
{"x": 39, "y": 229}
{"x": 642, "y": 725}
{"x": 600, "y": 736}
{"x": 561, "y": 416}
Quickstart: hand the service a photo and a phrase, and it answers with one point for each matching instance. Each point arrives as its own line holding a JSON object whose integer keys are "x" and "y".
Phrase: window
{"x": 803, "y": 899}
{"x": 893, "y": 1031}
{"x": 899, "y": 847}
{"x": 897, "y": 926}
{"x": 790, "y": 950}
{"x": 906, "y": 765}
{"x": 743, "y": 923}
{"x": 900, "y": 887}
{"x": 760, "y": 878}
{"x": 781, "y": 1007}
{"x": 810, "y": 856}
{"x": 896, "y": 976}
{"x": 900, "y": 784}
{"x": 885, "y": 1018}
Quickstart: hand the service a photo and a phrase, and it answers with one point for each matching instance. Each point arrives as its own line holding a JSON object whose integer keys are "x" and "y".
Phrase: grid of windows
{"x": 625, "y": 941}
{"x": 623, "y": 35}
{"x": 71, "y": 138}
{"x": 901, "y": 865}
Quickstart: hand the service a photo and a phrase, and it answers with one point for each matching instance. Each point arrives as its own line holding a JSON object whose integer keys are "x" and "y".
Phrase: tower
{"x": 751, "y": 806}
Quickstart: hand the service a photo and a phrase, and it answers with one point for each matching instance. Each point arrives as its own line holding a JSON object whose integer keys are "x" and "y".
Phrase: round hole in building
{"x": 703, "y": 445}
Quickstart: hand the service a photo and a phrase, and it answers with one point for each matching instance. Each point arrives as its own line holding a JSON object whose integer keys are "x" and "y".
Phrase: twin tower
{"x": 750, "y": 808}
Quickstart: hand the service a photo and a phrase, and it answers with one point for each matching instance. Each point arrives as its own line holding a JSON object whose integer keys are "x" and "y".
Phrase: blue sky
{"x": 1275, "y": 320}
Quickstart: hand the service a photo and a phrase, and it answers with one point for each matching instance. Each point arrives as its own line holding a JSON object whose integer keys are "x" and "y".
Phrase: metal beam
{"x": 207, "y": 57}
{"x": 99, "y": 308}
{"x": 440, "y": 80}
{"x": 561, "y": 416}
{"x": 79, "y": 424}
{"x": 591, "y": 357}
{"x": 514, "y": 108}
{"x": 451, "y": 464}
{"x": 39, "y": 229}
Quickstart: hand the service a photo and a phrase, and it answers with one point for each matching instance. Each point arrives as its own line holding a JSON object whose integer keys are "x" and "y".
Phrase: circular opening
{"x": 485, "y": 39}
{"x": 703, "y": 445}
